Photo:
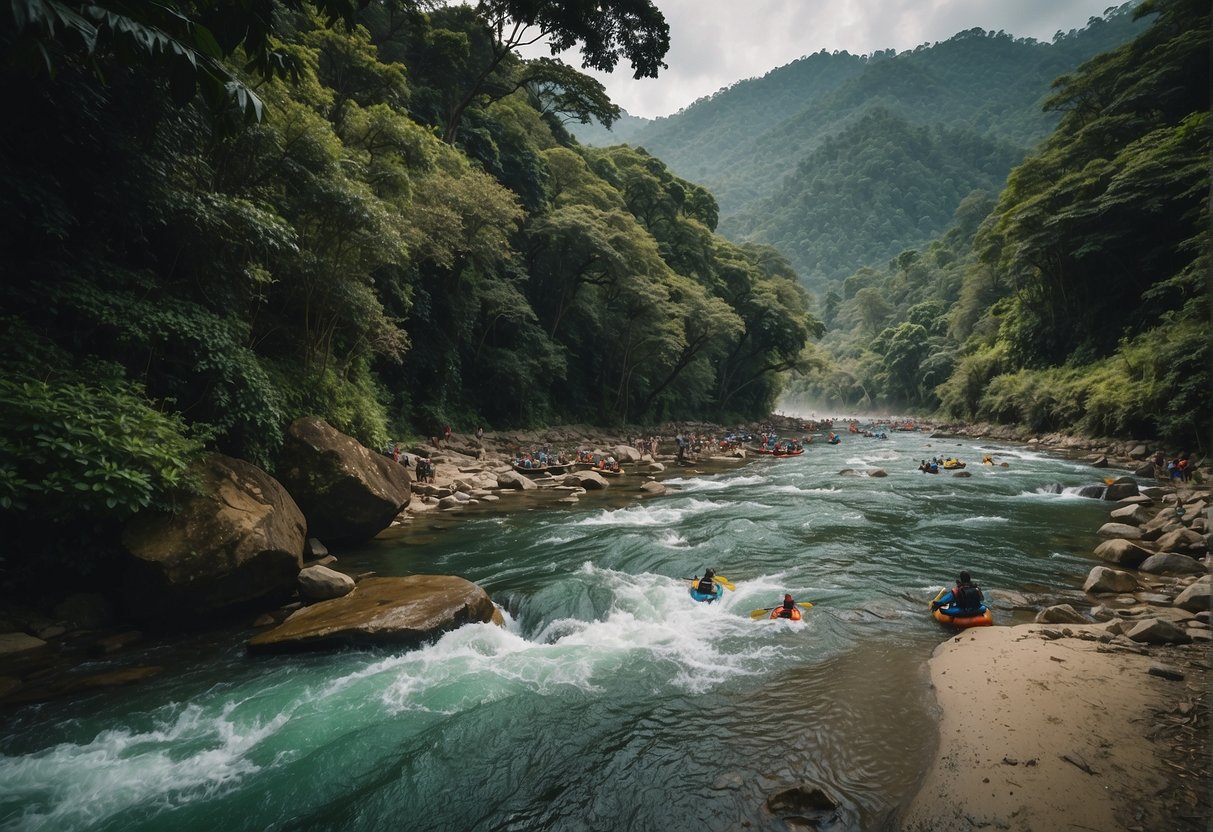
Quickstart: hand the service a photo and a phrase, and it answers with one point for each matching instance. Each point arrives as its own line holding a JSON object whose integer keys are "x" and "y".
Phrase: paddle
{"x": 761, "y": 613}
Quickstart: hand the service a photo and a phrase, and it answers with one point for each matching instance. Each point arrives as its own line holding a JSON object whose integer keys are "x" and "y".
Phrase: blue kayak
{"x": 707, "y": 596}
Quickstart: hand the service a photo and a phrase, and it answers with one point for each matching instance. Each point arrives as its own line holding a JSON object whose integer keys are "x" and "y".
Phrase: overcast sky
{"x": 714, "y": 43}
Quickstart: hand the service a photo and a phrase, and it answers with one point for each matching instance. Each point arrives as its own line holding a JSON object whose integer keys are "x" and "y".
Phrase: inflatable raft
{"x": 705, "y": 596}
{"x": 775, "y": 614}
{"x": 983, "y": 619}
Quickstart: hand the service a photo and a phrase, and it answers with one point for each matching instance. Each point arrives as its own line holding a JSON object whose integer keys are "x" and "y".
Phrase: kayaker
{"x": 707, "y": 584}
{"x": 966, "y": 598}
{"x": 789, "y": 606}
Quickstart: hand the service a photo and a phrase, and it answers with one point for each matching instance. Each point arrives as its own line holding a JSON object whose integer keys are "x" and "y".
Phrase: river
{"x": 611, "y": 701}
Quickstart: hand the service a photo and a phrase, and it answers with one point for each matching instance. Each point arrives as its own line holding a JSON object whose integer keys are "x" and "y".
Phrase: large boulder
{"x": 1122, "y": 488}
{"x": 1170, "y": 563}
{"x": 398, "y": 612}
{"x": 346, "y": 491}
{"x": 239, "y": 540}
{"x": 626, "y": 453}
{"x": 1060, "y": 614}
{"x": 1120, "y": 530}
{"x": 1102, "y": 580}
{"x": 319, "y": 583}
{"x": 1196, "y": 597}
{"x": 1122, "y": 553}
{"x": 1184, "y": 541}
{"x": 515, "y": 481}
{"x": 1133, "y": 515}
{"x": 589, "y": 480}
{"x": 1158, "y": 631}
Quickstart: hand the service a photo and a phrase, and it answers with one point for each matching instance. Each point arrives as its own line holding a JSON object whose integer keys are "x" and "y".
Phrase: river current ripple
{"x": 611, "y": 701}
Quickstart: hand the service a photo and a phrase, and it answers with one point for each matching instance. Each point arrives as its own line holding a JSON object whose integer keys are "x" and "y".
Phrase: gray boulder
{"x": 653, "y": 487}
{"x": 1139, "y": 452}
{"x": 238, "y": 541}
{"x": 319, "y": 583}
{"x": 1170, "y": 563}
{"x": 626, "y": 453}
{"x": 346, "y": 491}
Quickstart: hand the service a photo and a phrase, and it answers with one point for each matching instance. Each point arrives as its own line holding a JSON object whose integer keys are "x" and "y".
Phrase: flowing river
{"x": 611, "y": 701}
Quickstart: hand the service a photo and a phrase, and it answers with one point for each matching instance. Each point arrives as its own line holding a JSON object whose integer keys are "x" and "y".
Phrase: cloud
{"x": 715, "y": 43}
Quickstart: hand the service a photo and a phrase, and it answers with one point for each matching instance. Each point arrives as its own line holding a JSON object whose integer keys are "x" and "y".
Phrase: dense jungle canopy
{"x": 217, "y": 221}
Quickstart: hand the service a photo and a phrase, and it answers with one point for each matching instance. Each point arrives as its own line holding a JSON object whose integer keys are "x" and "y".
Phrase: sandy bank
{"x": 1046, "y": 727}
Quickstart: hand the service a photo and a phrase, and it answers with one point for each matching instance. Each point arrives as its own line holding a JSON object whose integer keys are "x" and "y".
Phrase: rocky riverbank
{"x": 1096, "y": 716}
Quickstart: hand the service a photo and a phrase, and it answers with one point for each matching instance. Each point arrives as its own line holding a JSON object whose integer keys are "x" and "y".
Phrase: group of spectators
{"x": 1177, "y": 468}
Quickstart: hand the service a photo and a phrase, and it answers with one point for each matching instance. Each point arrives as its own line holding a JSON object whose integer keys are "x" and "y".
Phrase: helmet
{"x": 711, "y": 573}
{"x": 965, "y": 578}
{"x": 787, "y": 598}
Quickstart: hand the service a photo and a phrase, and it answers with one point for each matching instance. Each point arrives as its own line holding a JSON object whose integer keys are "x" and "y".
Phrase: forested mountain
{"x": 1079, "y": 297}
{"x": 387, "y": 227}
{"x": 754, "y": 144}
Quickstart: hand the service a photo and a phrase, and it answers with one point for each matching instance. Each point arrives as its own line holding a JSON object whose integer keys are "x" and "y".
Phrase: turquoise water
{"x": 611, "y": 701}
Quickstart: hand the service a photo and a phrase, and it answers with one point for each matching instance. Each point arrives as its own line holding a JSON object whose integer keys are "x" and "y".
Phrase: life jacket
{"x": 706, "y": 586}
{"x": 967, "y": 597}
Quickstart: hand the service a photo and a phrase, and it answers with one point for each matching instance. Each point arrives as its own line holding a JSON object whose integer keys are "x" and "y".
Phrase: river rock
{"x": 1061, "y": 614}
{"x": 1144, "y": 470}
{"x": 1196, "y": 598}
{"x": 589, "y": 480}
{"x": 1121, "y": 552}
{"x": 805, "y": 799}
{"x": 399, "y": 612}
{"x": 1122, "y": 531}
{"x": 313, "y": 549}
{"x": 1139, "y": 452}
{"x": 1101, "y": 581}
{"x": 626, "y": 453}
{"x": 1158, "y": 631}
{"x": 1099, "y": 462}
{"x": 346, "y": 491}
{"x": 319, "y": 583}
{"x": 653, "y": 487}
{"x": 14, "y": 644}
{"x": 1170, "y": 563}
{"x": 514, "y": 481}
{"x": 1182, "y": 540}
{"x": 962, "y": 474}
{"x": 1123, "y": 487}
{"x": 1139, "y": 500}
{"x": 239, "y": 540}
{"x": 450, "y": 501}
{"x": 1132, "y": 515}
{"x": 654, "y": 468}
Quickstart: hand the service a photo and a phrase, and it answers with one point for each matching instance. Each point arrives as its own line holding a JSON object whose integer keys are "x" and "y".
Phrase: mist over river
{"x": 611, "y": 701}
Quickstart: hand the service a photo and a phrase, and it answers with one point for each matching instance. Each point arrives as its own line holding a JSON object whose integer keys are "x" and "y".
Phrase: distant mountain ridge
{"x": 750, "y": 143}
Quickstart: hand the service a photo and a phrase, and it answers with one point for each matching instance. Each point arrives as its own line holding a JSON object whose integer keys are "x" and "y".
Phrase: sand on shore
{"x": 1040, "y": 732}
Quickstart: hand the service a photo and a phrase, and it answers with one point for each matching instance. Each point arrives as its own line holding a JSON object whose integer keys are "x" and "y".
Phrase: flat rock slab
{"x": 399, "y": 612}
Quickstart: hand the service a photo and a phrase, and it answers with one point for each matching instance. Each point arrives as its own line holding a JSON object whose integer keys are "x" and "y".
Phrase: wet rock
{"x": 1164, "y": 671}
{"x": 402, "y": 612}
{"x": 451, "y": 501}
{"x": 1123, "y": 487}
{"x": 626, "y": 453}
{"x": 313, "y": 549}
{"x": 730, "y": 781}
{"x": 805, "y": 799}
{"x": 1139, "y": 452}
{"x": 653, "y": 487}
{"x": 962, "y": 474}
{"x": 319, "y": 583}
{"x": 1155, "y": 598}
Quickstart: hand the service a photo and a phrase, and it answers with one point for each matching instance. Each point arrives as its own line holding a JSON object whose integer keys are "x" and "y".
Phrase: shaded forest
{"x": 219, "y": 220}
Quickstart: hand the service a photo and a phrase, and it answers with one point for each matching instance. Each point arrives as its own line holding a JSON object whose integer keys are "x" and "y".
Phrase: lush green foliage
{"x": 408, "y": 238}
{"x": 1081, "y": 300}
